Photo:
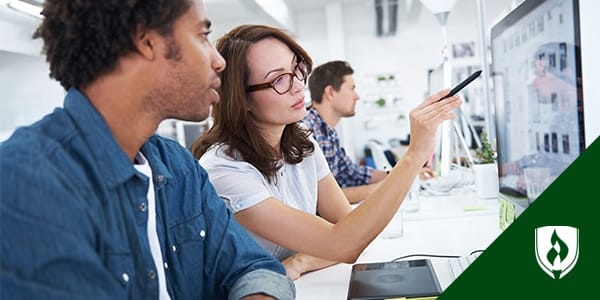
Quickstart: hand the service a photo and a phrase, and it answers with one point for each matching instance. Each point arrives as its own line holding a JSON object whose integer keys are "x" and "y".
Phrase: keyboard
{"x": 443, "y": 185}
{"x": 510, "y": 186}
{"x": 510, "y": 180}
{"x": 459, "y": 264}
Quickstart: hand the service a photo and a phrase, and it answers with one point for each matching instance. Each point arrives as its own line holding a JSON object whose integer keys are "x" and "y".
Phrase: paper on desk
{"x": 474, "y": 207}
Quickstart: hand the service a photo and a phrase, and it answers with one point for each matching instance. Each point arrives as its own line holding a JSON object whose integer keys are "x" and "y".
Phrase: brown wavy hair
{"x": 233, "y": 125}
{"x": 83, "y": 39}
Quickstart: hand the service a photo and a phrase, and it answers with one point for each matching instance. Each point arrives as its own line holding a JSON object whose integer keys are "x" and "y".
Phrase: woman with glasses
{"x": 273, "y": 175}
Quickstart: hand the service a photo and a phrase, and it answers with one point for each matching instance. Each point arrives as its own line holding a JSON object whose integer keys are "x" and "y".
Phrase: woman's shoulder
{"x": 216, "y": 152}
{"x": 219, "y": 155}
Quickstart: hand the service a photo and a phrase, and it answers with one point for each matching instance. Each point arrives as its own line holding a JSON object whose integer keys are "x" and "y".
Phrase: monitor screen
{"x": 537, "y": 87}
{"x": 439, "y": 78}
{"x": 188, "y": 132}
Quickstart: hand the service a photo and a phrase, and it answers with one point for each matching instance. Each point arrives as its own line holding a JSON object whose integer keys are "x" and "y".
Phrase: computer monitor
{"x": 536, "y": 63}
{"x": 439, "y": 78}
{"x": 454, "y": 137}
{"x": 188, "y": 132}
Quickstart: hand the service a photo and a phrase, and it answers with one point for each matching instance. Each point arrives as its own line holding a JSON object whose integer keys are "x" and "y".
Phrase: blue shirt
{"x": 346, "y": 172}
{"x": 73, "y": 215}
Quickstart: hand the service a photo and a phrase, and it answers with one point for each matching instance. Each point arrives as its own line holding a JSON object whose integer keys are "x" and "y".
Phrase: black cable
{"x": 434, "y": 255}
{"x": 476, "y": 251}
{"x": 424, "y": 255}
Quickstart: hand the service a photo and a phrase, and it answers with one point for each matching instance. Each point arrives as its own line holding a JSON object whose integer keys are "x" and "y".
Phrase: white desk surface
{"x": 444, "y": 225}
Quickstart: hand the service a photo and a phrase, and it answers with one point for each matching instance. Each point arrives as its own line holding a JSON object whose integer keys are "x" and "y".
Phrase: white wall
{"x": 26, "y": 91}
{"x": 16, "y": 30}
{"x": 416, "y": 47}
{"x": 408, "y": 55}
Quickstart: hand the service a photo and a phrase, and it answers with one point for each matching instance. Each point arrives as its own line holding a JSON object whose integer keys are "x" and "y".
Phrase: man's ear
{"x": 145, "y": 42}
{"x": 329, "y": 92}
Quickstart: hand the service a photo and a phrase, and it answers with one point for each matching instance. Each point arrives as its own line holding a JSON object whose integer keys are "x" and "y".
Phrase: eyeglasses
{"x": 284, "y": 82}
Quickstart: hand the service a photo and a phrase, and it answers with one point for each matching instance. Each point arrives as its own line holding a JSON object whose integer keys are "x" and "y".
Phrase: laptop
{"x": 409, "y": 279}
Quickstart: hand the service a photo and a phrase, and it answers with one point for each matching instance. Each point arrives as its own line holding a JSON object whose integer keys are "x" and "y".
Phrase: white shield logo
{"x": 556, "y": 249}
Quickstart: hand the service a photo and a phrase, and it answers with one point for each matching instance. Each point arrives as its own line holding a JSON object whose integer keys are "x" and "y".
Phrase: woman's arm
{"x": 339, "y": 233}
{"x": 299, "y": 264}
{"x": 356, "y": 194}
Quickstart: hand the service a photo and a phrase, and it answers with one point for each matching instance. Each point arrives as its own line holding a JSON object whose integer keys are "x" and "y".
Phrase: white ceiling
{"x": 226, "y": 14}
{"x": 307, "y": 5}
{"x": 218, "y": 6}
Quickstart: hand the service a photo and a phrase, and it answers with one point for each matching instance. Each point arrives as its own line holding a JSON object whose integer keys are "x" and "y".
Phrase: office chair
{"x": 381, "y": 157}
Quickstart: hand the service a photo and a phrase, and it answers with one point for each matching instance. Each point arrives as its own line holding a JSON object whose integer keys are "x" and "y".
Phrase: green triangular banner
{"x": 509, "y": 269}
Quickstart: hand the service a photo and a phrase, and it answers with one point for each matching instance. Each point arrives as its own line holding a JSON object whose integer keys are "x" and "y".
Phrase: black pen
{"x": 461, "y": 85}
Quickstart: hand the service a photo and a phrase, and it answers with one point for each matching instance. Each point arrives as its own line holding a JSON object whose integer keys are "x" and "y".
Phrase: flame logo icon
{"x": 553, "y": 254}
{"x": 558, "y": 259}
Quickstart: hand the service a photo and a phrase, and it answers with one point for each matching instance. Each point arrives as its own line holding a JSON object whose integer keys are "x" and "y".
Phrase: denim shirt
{"x": 73, "y": 215}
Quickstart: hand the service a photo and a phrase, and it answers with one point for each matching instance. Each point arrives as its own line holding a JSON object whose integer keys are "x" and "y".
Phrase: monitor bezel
{"x": 516, "y": 15}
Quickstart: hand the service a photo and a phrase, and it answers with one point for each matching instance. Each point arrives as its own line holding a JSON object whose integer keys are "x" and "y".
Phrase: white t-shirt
{"x": 143, "y": 167}
{"x": 241, "y": 185}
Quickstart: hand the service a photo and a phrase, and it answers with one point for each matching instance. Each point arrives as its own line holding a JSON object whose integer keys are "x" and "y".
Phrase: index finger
{"x": 436, "y": 96}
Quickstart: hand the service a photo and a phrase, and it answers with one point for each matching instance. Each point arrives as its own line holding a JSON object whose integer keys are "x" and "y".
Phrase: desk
{"x": 441, "y": 226}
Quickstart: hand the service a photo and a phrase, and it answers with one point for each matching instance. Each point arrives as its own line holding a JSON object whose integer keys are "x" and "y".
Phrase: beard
{"x": 178, "y": 93}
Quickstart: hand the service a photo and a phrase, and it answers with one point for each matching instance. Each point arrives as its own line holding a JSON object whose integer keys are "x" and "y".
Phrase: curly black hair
{"x": 83, "y": 39}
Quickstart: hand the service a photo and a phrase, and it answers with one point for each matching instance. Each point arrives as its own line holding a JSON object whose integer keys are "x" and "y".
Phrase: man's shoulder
{"x": 40, "y": 138}
{"x": 312, "y": 117}
{"x": 171, "y": 154}
{"x": 314, "y": 122}
{"x": 168, "y": 145}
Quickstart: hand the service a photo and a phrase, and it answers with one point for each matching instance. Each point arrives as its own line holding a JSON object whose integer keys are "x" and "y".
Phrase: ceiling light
{"x": 277, "y": 9}
{"x": 437, "y": 6}
{"x": 32, "y": 8}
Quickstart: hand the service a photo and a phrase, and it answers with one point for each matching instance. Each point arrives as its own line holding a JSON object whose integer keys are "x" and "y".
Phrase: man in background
{"x": 333, "y": 97}
{"x": 93, "y": 204}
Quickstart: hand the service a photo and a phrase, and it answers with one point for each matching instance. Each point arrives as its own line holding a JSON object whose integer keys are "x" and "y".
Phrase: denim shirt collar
{"x": 113, "y": 163}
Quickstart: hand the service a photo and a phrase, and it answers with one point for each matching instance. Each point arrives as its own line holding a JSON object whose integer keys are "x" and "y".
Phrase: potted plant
{"x": 485, "y": 155}
{"x": 485, "y": 170}
{"x": 380, "y": 102}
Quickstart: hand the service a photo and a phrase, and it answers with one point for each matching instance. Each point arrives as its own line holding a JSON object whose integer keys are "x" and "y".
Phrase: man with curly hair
{"x": 93, "y": 204}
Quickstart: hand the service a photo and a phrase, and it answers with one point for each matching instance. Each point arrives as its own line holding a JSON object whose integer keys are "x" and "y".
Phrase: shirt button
{"x": 125, "y": 277}
{"x": 143, "y": 206}
{"x": 166, "y": 265}
{"x": 151, "y": 274}
{"x": 202, "y": 233}
{"x": 174, "y": 248}
{"x": 160, "y": 178}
